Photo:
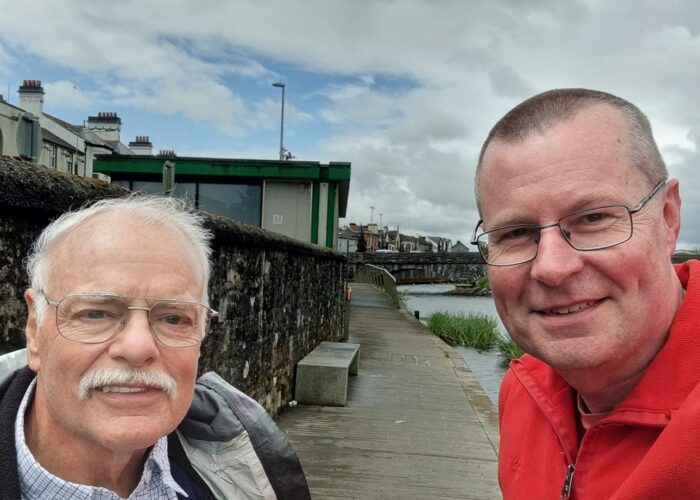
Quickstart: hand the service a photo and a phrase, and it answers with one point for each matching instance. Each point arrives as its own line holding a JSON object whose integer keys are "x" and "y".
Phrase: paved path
{"x": 417, "y": 424}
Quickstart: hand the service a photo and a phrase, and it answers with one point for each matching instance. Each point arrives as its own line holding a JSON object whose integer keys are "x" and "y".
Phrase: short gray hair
{"x": 155, "y": 210}
{"x": 543, "y": 111}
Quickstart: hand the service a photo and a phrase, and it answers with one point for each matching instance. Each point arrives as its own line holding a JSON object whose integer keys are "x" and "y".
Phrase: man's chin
{"x": 130, "y": 443}
{"x": 570, "y": 353}
{"x": 128, "y": 435}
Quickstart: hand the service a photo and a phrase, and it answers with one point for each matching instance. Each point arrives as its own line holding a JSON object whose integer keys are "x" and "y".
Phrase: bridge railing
{"x": 379, "y": 277}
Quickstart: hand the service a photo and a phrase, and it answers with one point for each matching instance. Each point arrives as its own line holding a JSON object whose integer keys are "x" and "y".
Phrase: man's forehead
{"x": 114, "y": 225}
{"x": 589, "y": 126}
{"x": 116, "y": 236}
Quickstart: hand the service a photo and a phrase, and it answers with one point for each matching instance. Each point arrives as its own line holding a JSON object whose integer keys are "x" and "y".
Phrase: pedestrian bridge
{"x": 428, "y": 267}
{"x": 423, "y": 267}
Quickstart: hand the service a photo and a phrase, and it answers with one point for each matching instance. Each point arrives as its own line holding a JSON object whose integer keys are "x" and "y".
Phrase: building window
{"x": 69, "y": 163}
{"x": 242, "y": 202}
{"x": 238, "y": 201}
{"x": 52, "y": 156}
{"x": 150, "y": 187}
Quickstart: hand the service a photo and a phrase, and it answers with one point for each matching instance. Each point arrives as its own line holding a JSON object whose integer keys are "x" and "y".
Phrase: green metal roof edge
{"x": 209, "y": 166}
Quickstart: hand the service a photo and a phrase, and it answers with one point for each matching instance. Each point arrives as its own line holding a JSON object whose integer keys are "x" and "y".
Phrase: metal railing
{"x": 379, "y": 277}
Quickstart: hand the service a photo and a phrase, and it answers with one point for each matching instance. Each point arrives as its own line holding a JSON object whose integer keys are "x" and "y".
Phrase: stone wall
{"x": 277, "y": 297}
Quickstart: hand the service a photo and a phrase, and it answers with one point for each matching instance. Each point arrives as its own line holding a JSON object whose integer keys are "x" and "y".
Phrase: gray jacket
{"x": 230, "y": 441}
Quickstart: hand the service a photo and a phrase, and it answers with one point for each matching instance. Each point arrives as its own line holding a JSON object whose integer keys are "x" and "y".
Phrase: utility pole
{"x": 281, "y": 85}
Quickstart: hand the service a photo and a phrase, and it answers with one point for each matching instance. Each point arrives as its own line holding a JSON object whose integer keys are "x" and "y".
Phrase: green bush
{"x": 476, "y": 330}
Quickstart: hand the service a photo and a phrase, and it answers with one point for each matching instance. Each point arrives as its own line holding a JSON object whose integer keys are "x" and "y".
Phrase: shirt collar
{"x": 156, "y": 481}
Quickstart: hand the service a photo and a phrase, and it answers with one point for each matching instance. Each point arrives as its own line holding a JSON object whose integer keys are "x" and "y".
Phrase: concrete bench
{"x": 322, "y": 376}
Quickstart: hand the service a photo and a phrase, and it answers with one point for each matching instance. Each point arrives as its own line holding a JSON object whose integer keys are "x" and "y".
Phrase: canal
{"x": 486, "y": 366}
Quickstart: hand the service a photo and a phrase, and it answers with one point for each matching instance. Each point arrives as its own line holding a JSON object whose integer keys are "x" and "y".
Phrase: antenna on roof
{"x": 168, "y": 178}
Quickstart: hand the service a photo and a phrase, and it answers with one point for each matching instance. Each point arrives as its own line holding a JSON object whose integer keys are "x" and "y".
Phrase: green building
{"x": 300, "y": 199}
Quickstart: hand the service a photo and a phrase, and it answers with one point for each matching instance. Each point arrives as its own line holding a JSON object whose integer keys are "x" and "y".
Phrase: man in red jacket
{"x": 578, "y": 224}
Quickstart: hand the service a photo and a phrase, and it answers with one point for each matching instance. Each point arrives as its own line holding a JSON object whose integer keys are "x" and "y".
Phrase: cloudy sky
{"x": 405, "y": 90}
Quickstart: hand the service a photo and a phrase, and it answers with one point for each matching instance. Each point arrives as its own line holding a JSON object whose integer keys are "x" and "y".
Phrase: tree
{"x": 362, "y": 243}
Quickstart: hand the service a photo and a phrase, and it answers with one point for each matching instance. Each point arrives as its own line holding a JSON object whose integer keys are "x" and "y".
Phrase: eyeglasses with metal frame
{"x": 96, "y": 318}
{"x": 584, "y": 230}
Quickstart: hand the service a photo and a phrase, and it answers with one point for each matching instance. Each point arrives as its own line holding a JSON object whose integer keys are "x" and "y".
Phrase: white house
{"x": 61, "y": 145}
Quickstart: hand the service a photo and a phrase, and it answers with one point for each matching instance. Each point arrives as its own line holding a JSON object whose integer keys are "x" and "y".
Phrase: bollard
{"x": 417, "y": 314}
{"x": 346, "y": 313}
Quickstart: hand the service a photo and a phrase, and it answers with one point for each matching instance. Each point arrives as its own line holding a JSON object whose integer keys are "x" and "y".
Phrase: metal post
{"x": 281, "y": 85}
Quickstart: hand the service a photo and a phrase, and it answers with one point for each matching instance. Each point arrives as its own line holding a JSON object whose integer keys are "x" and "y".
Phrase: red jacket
{"x": 648, "y": 447}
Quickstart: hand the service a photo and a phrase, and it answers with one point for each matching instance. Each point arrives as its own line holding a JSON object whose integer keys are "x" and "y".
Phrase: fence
{"x": 379, "y": 277}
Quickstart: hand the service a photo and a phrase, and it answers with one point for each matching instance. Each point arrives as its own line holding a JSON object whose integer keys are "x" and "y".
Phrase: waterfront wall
{"x": 277, "y": 298}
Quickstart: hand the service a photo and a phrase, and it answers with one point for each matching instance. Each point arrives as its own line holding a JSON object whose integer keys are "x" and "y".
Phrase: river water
{"x": 485, "y": 365}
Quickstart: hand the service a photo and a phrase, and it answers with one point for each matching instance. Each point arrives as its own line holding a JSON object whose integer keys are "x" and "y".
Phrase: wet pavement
{"x": 417, "y": 423}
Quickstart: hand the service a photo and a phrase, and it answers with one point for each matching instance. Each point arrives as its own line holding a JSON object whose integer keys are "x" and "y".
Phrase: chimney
{"x": 107, "y": 125}
{"x": 167, "y": 153}
{"x": 31, "y": 97}
{"x": 141, "y": 146}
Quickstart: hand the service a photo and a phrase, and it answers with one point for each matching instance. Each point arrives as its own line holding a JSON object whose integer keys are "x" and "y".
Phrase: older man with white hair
{"x": 108, "y": 405}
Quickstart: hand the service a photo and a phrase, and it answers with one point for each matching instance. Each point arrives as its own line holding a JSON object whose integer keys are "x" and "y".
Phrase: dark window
{"x": 147, "y": 187}
{"x": 238, "y": 201}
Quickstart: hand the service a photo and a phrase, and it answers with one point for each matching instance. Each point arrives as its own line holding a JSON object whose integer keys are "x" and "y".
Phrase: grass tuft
{"x": 476, "y": 330}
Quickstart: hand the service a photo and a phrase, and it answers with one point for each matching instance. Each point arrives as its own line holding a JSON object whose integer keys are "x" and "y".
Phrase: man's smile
{"x": 568, "y": 309}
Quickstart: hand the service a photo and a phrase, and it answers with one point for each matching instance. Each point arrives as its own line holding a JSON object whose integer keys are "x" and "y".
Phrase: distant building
{"x": 29, "y": 133}
{"x": 439, "y": 243}
{"x": 20, "y": 133}
{"x": 392, "y": 241}
{"x": 459, "y": 247}
{"x": 347, "y": 240}
{"x": 300, "y": 199}
{"x": 303, "y": 200}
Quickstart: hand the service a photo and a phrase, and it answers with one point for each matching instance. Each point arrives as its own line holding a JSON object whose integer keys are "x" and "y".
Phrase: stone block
{"x": 322, "y": 376}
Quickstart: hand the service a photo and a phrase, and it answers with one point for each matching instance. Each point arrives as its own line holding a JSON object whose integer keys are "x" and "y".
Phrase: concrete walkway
{"x": 417, "y": 424}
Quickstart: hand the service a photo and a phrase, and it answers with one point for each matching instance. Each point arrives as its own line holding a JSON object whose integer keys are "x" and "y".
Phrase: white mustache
{"x": 117, "y": 376}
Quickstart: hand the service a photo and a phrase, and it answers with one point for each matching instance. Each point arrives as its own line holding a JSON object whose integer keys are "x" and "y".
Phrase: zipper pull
{"x": 568, "y": 479}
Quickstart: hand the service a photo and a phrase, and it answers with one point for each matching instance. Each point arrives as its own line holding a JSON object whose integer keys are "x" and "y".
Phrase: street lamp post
{"x": 281, "y": 85}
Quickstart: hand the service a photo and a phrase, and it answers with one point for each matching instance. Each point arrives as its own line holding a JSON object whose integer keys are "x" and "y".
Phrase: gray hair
{"x": 543, "y": 111}
{"x": 154, "y": 210}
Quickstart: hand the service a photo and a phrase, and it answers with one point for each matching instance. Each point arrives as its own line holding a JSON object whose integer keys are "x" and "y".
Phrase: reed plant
{"x": 476, "y": 330}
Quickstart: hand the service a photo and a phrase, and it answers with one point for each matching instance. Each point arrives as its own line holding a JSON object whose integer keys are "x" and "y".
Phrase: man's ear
{"x": 31, "y": 331}
{"x": 672, "y": 214}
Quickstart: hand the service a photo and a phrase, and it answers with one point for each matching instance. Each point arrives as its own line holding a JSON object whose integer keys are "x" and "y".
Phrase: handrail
{"x": 379, "y": 277}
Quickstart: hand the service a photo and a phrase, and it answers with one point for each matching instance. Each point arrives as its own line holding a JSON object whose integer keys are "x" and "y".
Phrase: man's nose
{"x": 135, "y": 343}
{"x": 556, "y": 260}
